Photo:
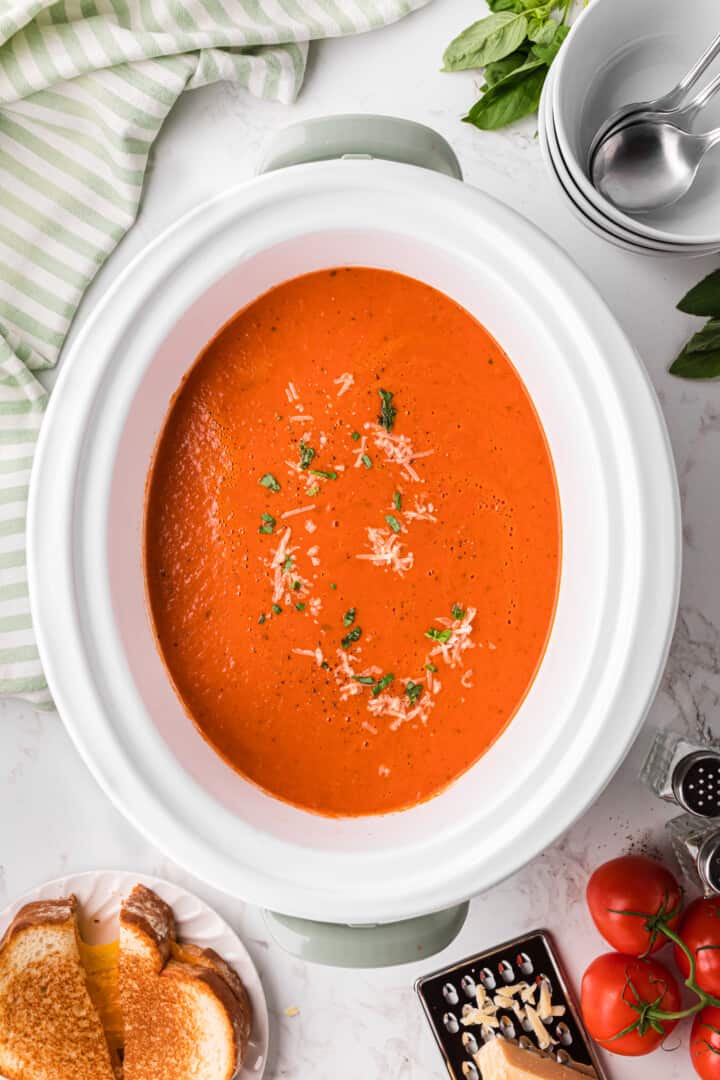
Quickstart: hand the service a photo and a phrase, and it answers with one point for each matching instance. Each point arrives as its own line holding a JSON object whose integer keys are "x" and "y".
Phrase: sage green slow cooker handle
{"x": 367, "y": 946}
{"x": 354, "y": 135}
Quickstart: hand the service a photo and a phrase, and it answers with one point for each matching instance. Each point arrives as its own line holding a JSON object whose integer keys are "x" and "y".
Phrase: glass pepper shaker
{"x": 684, "y": 772}
{"x": 696, "y": 844}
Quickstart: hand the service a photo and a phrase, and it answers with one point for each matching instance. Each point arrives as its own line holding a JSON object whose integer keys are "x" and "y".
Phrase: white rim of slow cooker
{"x": 59, "y": 622}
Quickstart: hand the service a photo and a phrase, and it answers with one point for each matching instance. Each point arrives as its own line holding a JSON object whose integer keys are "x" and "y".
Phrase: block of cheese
{"x": 499, "y": 1059}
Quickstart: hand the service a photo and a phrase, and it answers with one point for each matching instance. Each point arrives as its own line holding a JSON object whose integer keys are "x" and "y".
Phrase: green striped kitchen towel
{"x": 84, "y": 88}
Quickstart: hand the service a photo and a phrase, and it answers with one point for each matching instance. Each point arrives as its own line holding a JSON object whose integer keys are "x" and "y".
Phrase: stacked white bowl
{"x": 618, "y": 53}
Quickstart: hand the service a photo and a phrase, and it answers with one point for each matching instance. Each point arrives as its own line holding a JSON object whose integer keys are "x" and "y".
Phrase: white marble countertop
{"x": 54, "y": 819}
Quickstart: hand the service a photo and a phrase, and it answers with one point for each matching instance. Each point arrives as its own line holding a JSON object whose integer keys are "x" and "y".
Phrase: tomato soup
{"x": 352, "y": 542}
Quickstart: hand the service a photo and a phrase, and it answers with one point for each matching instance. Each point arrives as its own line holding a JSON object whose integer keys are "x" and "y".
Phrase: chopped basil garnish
{"x": 351, "y": 638}
{"x": 355, "y": 435}
{"x": 326, "y": 475}
{"x": 297, "y": 585}
{"x": 325, "y": 665}
{"x": 438, "y": 635}
{"x": 457, "y": 611}
{"x": 413, "y": 691}
{"x": 268, "y": 524}
{"x": 367, "y": 461}
{"x": 276, "y": 609}
{"x": 312, "y": 491}
{"x": 393, "y": 522}
{"x": 366, "y": 680}
{"x": 262, "y": 618}
{"x": 381, "y": 684}
{"x": 300, "y": 606}
{"x": 349, "y": 617}
{"x": 388, "y": 412}
{"x": 287, "y": 565}
{"x": 333, "y": 585}
{"x": 397, "y": 500}
{"x": 306, "y": 455}
{"x": 268, "y": 481}
{"x": 430, "y": 667}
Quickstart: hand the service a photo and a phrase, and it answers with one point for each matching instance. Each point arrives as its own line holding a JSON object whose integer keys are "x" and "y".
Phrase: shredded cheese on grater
{"x": 506, "y": 999}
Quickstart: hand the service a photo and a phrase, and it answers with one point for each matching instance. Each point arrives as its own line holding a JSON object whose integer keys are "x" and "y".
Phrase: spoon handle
{"x": 711, "y": 138}
{"x": 700, "y": 100}
{"x": 671, "y": 102}
{"x": 704, "y": 61}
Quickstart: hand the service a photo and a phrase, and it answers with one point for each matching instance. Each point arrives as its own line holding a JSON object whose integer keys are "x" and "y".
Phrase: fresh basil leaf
{"x": 548, "y": 50}
{"x": 518, "y": 74}
{"x": 706, "y": 340}
{"x": 704, "y": 298}
{"x": 506, "y": 5}
{"x": 696, "y": 365}
{"x": 490, "y": 39}
{"x": 516, "y": 96}
{"x": 542, "y": 30}
{"x": 536, "y": 28}
{"x": 499, "y": 69}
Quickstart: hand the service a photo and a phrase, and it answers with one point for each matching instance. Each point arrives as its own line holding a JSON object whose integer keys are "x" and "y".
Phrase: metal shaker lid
{"x": 696, "y": 783}
{"x": 708, "y": 862}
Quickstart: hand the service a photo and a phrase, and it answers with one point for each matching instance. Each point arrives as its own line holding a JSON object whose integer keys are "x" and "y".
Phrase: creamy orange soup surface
{"x": 352, "y": 542}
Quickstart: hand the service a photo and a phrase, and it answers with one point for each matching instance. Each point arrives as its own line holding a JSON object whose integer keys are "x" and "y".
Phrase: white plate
{"x": 100, "y": 894}
{"x": 621, "y": 542}
{"x": 618, "y": 53}
{"x": 590, "y": 216}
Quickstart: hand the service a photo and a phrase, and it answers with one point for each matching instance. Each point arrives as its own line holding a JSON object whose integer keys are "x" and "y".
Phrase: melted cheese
{"x": 101, "y": 964}
{"x": 101, "y": 972}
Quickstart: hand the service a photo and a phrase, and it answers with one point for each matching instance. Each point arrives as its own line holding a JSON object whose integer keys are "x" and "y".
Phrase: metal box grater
{"x": 449, "y": 994}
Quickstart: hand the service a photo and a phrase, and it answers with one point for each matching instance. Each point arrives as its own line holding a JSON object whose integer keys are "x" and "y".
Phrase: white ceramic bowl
{"x": 590, "y": 216}
{"x": 618, "y": 53}
{"x": 621, "y": 554}
{"x": 574, "y": 199}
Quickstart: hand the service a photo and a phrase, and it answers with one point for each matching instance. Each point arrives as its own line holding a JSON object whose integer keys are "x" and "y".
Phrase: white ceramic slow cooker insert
{"x": 620, "y": 565}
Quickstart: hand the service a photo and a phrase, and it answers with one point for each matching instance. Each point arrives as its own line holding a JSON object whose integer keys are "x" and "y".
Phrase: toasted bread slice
{"x": 49, "y": 1028}
{"x": 186, "y": 1013}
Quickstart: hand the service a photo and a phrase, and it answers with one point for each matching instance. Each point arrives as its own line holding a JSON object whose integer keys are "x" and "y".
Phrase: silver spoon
{"x": 647, "y": 165}
{"x": 663, "y": 104}
{"x": 682, "y": 116}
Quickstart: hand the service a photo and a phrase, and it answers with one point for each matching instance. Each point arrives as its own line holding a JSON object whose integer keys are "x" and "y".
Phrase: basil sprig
{"x": 515, "y": 45}
{"x": 700, "y": 358}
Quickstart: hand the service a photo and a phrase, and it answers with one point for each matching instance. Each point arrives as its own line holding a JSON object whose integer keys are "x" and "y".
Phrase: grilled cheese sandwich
{"x": 144, "y": 1007}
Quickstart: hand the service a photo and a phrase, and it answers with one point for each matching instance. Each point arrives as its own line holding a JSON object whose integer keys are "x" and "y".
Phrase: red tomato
{"x": 705, "y": 1044}
{"x": 614, "y": 988}
{"x": 700, "y": 930}
{"x": 632, "y": 883}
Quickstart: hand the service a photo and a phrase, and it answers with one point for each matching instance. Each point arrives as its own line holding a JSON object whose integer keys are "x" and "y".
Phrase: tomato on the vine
{"x": 618, "y": 996}
{"x": 705, "y": 1043}
{"x": 700, "y": 930}
{"x": 633, "y": 883}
